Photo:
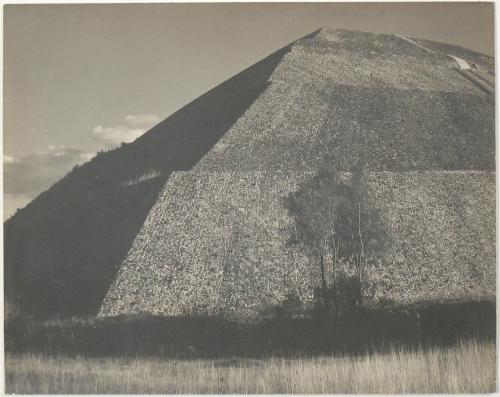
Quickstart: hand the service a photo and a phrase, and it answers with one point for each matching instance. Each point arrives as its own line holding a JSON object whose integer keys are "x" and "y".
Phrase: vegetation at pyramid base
{"x": 441, "y": 323}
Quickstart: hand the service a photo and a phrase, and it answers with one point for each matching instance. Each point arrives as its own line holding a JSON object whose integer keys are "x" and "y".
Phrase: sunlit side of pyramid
{"x": 216, "y": 239}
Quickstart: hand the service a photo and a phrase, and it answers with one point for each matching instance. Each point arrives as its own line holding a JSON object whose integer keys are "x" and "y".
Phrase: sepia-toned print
{"x": 322, "y": 222}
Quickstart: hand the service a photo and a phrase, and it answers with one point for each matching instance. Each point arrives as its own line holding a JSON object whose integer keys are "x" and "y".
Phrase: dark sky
{"x": 79, "y": 78}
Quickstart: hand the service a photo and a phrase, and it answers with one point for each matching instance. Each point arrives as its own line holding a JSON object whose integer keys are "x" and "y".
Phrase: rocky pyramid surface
{"x": 217, "y": 236}
{"x": 191, "y": 215}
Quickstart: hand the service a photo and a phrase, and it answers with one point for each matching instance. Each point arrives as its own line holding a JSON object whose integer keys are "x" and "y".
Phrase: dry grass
{"x": 467, "y": 367}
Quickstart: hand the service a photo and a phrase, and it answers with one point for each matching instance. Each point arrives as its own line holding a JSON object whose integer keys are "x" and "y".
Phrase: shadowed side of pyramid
{"x": 63, "y": 250}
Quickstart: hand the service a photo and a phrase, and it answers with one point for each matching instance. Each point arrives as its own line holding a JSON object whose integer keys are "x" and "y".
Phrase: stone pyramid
{"x": 421, "y": 117}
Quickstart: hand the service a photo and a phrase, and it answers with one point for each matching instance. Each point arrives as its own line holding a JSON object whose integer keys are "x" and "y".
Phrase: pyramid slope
{"x": 341, "y": 95}
{"x": 62, "y": 251}
{"x": 224, "y": 246}
{"x": 216, "y": 238}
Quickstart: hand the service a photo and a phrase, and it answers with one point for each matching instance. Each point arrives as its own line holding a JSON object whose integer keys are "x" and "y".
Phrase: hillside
{"x": 227, "y": 160}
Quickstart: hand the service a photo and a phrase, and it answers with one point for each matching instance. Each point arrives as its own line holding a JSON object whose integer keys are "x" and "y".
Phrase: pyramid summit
{"x": 209, "y": 230}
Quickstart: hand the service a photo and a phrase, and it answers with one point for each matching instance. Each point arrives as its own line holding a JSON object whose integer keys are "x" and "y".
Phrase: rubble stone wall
{"x": 225, "y": 246}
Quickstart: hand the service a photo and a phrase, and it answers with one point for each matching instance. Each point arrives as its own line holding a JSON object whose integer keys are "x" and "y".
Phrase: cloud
{"x": 26, "y": 175}
{"x": 132, "y": 128}
{"x": 113, "y": 136}
{"x": 142, "y": 119}
{"x": 8, "y": 159}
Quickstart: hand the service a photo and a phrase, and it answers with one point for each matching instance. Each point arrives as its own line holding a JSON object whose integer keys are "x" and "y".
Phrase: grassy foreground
{"x": 468, "y": 367}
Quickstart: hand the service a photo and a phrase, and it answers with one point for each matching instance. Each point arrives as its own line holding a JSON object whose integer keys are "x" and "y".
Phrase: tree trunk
{"x": 360, "y": 294}
{"x": 335, "y": 292}
{"x": 334, "y": 269}
{"x": 323, "y": 280}
{"x": 361, "y": 256}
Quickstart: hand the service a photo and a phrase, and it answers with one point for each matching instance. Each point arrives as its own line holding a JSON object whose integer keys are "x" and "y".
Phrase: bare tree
{"x": 315, "y": 214}
{"x": 333, "y": 218}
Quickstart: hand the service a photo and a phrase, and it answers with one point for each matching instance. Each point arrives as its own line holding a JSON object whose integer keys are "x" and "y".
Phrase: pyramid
{"x": 420, "y": 115}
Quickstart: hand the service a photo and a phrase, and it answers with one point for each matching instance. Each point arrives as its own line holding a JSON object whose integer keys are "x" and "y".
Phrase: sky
{"x": 83, "y": 78}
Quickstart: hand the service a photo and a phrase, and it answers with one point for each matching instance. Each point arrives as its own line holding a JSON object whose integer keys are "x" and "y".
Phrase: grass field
{"x": 468, "y": 367}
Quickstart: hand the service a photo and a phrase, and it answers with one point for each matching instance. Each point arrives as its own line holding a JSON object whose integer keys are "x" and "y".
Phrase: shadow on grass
{"x": 208, "y": 337}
